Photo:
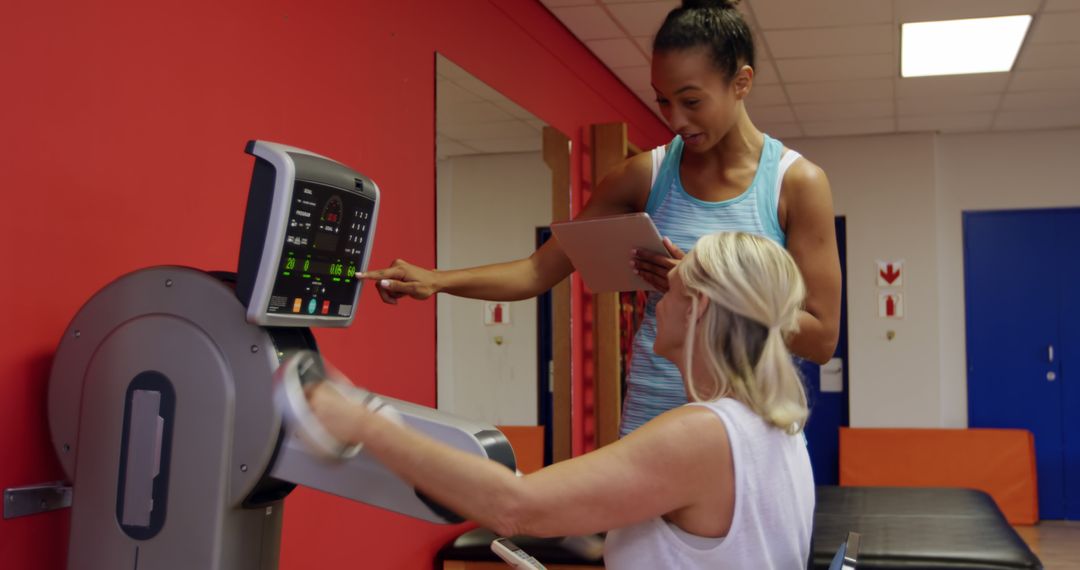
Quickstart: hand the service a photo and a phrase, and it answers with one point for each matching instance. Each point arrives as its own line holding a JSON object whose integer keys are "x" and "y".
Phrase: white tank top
{"x": 774, "y": 508}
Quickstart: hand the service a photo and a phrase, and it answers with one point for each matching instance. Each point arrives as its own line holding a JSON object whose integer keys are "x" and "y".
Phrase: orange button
{"x": 296, "y": 305}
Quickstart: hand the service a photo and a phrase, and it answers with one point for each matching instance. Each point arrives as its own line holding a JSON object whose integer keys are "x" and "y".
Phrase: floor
{"x": 1056, "y": 543}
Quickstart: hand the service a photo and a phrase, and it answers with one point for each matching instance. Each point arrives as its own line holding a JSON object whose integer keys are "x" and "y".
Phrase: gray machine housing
{"x": 161, "y": 412}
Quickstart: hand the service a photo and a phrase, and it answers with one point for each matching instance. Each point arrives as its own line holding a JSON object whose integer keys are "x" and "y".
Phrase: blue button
{"x": 311, "y": 307}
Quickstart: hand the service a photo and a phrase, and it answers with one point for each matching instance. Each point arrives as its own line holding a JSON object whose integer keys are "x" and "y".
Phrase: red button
{"x": 325, "y": 307}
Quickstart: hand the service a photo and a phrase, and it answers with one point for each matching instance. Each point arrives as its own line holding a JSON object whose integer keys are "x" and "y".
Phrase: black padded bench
{"x": 909, "y": 528}
{"x": 902, "y": 529}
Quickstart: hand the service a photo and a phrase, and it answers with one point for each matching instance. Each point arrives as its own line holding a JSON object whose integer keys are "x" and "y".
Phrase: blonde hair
{"x": 755, "y": 293}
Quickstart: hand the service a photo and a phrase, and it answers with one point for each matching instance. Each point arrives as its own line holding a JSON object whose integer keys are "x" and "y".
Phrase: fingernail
{"x": 632, "y": 264}
{"x": 384, "y": 283}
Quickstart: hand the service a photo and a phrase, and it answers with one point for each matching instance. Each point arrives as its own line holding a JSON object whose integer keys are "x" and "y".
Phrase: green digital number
{"x": 290, "y": 263}
{"x": 307, "y": 264}
{"x": 351, "y": 272}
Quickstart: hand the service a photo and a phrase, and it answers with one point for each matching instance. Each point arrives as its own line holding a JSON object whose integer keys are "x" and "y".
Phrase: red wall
{"x": 122, "y": 127}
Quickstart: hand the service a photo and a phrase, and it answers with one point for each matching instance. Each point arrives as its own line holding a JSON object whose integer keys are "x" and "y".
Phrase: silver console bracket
{"x": 35, "y": 499}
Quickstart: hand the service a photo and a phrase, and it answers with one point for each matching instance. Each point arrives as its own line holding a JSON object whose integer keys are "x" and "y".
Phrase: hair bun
{"x": 706, "y": 4}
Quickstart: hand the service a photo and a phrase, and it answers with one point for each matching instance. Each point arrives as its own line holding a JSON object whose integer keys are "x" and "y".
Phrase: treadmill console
{"x": 307, "y": 232}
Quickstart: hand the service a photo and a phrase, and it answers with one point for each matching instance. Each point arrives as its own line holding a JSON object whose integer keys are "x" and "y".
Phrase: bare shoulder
{"x": 687, "y": 430}
{"x": 805, "y": 176}
{"x": 805, "y": 189}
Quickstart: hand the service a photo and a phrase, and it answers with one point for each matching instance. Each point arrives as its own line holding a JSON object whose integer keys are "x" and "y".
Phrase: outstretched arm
{"x": 670, "y": 463}
{"x": 624, "y": 190}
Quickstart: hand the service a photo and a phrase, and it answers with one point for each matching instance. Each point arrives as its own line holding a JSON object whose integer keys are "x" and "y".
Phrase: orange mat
{"x": 528, "y": 444}
{"x": 1000, "y": 462}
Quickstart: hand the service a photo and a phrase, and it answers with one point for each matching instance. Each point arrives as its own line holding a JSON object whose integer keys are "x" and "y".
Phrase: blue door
{"x": 1069, "y": 354}
{"x": 829, "y": 410}
{"x": 1020, "y": 283}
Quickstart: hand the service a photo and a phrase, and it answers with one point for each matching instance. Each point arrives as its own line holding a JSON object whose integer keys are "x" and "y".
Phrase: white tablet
{"x": 600, "y": 248}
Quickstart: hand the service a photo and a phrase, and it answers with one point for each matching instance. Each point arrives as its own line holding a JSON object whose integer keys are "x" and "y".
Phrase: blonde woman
{"x": 722, "y": 482}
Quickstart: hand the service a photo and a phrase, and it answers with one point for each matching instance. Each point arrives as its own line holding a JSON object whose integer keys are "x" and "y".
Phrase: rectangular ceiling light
{"x": 955, "y": 47}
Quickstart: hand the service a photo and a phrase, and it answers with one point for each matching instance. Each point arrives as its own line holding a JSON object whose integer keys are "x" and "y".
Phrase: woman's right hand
{"x": 402, "y": 279}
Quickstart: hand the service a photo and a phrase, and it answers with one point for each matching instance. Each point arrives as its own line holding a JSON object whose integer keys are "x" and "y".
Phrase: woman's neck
{"x": 742, "y": 142}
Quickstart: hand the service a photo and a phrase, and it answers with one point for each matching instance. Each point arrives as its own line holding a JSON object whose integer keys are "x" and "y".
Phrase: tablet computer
{"x": 600, "y": 248}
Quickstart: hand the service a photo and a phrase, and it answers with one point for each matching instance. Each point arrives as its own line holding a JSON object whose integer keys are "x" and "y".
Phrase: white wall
{"x": 489, "y": 207}
{"x": 903, "y": 196}
{"x": 884, "y": 186}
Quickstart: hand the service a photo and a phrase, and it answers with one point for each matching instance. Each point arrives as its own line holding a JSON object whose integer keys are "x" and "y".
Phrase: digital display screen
{"x": 326, "y": 236}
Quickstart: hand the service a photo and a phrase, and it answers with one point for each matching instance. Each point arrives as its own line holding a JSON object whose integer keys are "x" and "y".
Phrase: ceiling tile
{"x": 804, "y": 70}
{"x": 1054, "y": 27}
{"x": 1041, "y": 56}
{"x": 472, "y": 132}
{"x": 645, "y": 43}
{"x": 588, "y": 22}
{"x": 449, "y": 69}
{"x": 833, "y": 65}
{"x": 765, "y": 73}
{"x": 1041, "y": 79}
{"x": 513, "y": 109}
{"x": 515, "y": 144}
{"x": 747, "y": 13}
{"x": 636, "y": 78}
{"x": 857, "y": 40}
{"x": 776, "y": 14}
{"x": 771, "y": 113}
{"x": 941, "y": 105}
{"x": 946, "y": 123}
{"x": 480, "y": 89}
{"x": 447, "y": 92}
{"x": 445, "y": 148}
{"x": 951, "y": 85}
{"x": 840, "y": 91}
{"x": 618, "y": 52}
{"x": 929, "y": 10}
{"x": 1037, "y": 119}
{"x": 847, "y": 127}
{"x": 781, "y": 130}
{"x": 835, "y": 111}
{"x": 1040, "y": 100}
{"x": 1061, "y": 5}
{"x": 641, "y": 18}
{"x": 767, "y": 95}
{"x": 469, "y": 112}
{"x": 649, "y": 100}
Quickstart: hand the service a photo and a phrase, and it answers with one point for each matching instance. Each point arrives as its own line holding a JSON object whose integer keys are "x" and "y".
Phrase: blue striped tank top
{"x": 654, "y": 384}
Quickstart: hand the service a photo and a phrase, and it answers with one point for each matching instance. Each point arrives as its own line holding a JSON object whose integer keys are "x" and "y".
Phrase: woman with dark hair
{"x": 721, "y": 482}
{"x": 719, "y": 173}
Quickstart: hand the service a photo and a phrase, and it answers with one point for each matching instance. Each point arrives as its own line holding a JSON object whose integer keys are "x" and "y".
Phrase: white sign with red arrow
{"x": 890, "y": 273}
